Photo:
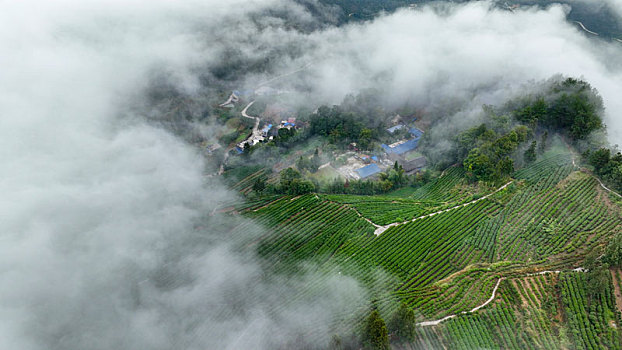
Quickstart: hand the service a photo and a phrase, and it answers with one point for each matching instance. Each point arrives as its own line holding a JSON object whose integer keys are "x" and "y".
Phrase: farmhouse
{"x": 412, "y": 166}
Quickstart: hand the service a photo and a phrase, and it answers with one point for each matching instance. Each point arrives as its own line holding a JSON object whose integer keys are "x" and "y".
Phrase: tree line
{"x": 376, "y": 334}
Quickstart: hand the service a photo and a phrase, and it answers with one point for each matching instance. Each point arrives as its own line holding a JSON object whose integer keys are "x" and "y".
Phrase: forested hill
{"x": 596, "y": 16}
{"x": 513, "y": 242}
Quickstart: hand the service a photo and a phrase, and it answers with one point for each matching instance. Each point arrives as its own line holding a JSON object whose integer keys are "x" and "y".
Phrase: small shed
{"x": 413, "y": 165}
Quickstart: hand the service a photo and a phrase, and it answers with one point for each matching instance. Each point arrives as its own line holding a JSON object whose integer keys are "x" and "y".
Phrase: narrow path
{"x": 436, "y": 322}
{"x": 255, "y": 132}
{"x": 366, "y": 219}
{"x": 587, "y": 30}
{"x": 616, "y": 289}
{"x": 607, "y": 188}
{"x": 381, "y": 229}
{"x": 492, "y": 297}
{"x": 593, "y": 33}
{"x": 232, "y": 98}
{"x": 221, "y": 170}
{"x": 578, "y": 269}
{"x": 357, "y": 213}
{"x": 284, "y": 75}
{"x": 596, "y": 177}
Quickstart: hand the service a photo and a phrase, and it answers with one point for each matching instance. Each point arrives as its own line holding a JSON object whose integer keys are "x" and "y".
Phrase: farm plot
{"x": 384, "y": 210}
{"x": 589, "y": 316}
{"x": 306, "y": 227}
{"x": 448, "y": 263}
{"x": 558, "y": 219}
{"x": 418, "y": 251}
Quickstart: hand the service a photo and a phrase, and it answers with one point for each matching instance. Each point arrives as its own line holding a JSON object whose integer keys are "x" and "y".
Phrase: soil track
{"x": 492, "y": 297}
{"x": 381, "y": 229}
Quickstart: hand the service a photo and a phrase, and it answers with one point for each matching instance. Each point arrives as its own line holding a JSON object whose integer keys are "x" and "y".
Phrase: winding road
{"x": 492, "y": 297}
{"x": 234, "y": 98}
{"x": 284, "y": 75}
{"x": 587, "y": 30}
{"x": 380, "y": 229}
{"x": 593, "y": 33}
{"x": 244, "y": 114}
{"x": 596, "y": 177}
{"x": 607, "y": 188}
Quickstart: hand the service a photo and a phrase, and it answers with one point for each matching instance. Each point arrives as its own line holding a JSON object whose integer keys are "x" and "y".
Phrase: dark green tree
{"x": 478, "y": 165}
{"x": 259, "y": 186}
{"x": 335, "y": 343}
{"x": 365, "y": 138}
{"x": 543, "y": 141}
{"x": 315, "y": 161}
{"x": 591, "y": 260}
{"x": 598, "y": 280}
{"x": 396, "y": 175}
{"x": 304, "y": 163}
{"x": 504, "y": 167}
{"x": 600, "y": 159}
{"x": 375, "y": 334}
{"x": 613, "y": 252}
{"x": 532, "y": 113}
{"x": 247, "y": 149}
{"x": 530, "y": 153}
{"x": 300, "y": 186}
{"x": 403, "y": 324}
{"x": 287, "y": 176}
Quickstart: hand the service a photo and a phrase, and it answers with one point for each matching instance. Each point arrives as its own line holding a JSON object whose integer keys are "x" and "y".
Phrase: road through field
{"x": 596, "y": 177}
{"x": 585, "y": 29}
{"x": 381, "y": 229}
{"x": 492, "y": 297}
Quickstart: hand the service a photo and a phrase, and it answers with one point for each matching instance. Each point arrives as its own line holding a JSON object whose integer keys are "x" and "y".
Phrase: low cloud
{"x": 473, "y": 53}
{"x": 105, "y": 239}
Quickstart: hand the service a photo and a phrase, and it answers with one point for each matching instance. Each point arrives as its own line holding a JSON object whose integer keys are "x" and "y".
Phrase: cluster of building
{"x": 400, "y": 152}
{"x": 264, "y": 134}
{"x": 360, "y": 166}
{"x": 288, "y": 124}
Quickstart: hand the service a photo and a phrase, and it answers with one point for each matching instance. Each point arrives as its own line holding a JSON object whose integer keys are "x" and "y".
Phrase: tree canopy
{"x": 375, "y": 334}
{"x": 403, "y": 324}
{"x": 291, "y": 182}
{"x": 570, "y": 106}
{"x": 489, "y": 154}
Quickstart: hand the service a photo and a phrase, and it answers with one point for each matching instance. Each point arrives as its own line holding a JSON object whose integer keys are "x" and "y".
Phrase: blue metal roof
{"x": 368, "y": 170}
{"x": 402, "y": 148}
{"x": 406, "y": 146}
{"x": 394, "y": 128}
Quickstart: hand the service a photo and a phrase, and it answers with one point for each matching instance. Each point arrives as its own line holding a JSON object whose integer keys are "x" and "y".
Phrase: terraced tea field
{"x": 449, "y": 263}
